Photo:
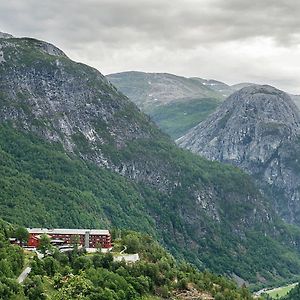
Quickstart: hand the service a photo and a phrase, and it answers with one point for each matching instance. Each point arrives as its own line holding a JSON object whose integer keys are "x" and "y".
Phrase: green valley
{"x": 177, "y": 117}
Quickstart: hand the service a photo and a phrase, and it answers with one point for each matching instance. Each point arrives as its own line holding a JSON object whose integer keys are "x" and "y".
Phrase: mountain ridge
{"x": 76, "y": 151}
{"x": 180, "y": 112}
{"x": 256, "y": 129}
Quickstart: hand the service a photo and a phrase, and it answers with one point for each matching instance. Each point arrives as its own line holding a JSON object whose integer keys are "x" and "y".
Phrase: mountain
{"x": 147, "y": 90}
{"x": 4, "y": 35}
{"x": 258, "y": 130}
{"x": 75, "y": 152}
{"x": 174, "y": 103}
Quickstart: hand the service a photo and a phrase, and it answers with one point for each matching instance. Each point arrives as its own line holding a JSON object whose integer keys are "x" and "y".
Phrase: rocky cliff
{"x": 256, "y": 129}
{"x": 76, "y": 152}
{"x": 174, "y": 103}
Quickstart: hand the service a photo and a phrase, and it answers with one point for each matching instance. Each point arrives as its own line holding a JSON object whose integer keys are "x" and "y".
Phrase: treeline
{"x": 11, "y": 263}
{"x": 77, "y": 275}
{"x": 41, "y": 186}
{"x": 293, "y": 294}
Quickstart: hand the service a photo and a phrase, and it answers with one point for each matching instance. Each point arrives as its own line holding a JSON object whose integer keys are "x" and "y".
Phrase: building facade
{"x": 88, "y": 238}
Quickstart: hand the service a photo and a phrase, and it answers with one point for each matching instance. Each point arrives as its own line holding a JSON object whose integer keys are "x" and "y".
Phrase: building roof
{"x": 68, "y": 231}
{"x": 131, "y": 258}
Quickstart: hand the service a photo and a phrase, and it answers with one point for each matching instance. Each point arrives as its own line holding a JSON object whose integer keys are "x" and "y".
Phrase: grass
{"x": 49, "y": 289}
{"x": 177, "y": 118}
{"x": 279, "y": 292}
{"x": 28, "y": 258}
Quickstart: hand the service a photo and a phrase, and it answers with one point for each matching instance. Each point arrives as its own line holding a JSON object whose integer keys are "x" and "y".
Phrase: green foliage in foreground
{"x": 76, "y": 275}
{"x": 11, "y": 264}
{"x": 176, "y": 118}
{"x": 11, "y": 257}
{"x": 92, "y": 277}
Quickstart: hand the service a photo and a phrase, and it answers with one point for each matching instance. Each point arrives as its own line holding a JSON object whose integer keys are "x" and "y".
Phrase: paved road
{"x": 24, "y": 274}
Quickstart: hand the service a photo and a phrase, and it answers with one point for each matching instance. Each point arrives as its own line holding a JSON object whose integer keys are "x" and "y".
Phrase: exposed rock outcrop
{"x": 4, "y": 35}
{"x": 210, "y": 213}
{"x": 256, "y": 129}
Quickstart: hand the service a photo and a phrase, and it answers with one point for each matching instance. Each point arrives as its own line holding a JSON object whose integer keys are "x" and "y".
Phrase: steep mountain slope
{"x": 175, "y": 103}
{"x": 258, "y": 130}
{"x": 76, "y": 152}
{"x": 147, "y": 90}
{"x": 176, "y": 118}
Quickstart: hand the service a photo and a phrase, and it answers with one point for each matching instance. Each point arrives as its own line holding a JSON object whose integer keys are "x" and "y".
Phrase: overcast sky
{"x": 230, "y": 40}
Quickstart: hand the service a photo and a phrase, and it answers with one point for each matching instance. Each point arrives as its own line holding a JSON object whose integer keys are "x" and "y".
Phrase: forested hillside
{"x": 11, "y": 263}
{"x": 76, "y": 152}
{"x": 76, "y": 275}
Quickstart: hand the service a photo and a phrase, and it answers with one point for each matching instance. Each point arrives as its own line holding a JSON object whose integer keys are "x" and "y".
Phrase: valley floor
{"x": 277, "y": 292}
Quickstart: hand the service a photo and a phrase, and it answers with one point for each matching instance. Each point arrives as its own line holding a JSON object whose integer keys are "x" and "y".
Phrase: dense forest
{"x": 75, "y": 152}
{"x": 77, "y": 275}
{"x": 41, "y": 185}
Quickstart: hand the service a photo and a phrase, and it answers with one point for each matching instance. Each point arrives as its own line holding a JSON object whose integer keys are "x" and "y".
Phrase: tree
{"x": 44, "y": 243}
{"x": 75, "y": 287}
{"x": 99, "y": 247}
{"x": 82, "y": 263}
{"x": 22, "y": 235}
{"x": 34, "y": 288}
{"x": 9, "y": 289}
{"x": 5, "y": 268}
{"x": 50, "y": 266}
{"x": 132, "y": 242}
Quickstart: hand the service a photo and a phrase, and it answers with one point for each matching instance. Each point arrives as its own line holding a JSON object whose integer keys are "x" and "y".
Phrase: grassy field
{"x": 280, "y": 291}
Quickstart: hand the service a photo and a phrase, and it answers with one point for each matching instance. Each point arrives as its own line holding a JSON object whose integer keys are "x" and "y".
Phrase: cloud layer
{"x": 232, "y": 40}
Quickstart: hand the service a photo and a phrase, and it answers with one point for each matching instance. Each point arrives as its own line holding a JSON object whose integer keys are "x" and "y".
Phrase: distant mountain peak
{"x": 242, "y": 116}
{"x": 258, "y": 130}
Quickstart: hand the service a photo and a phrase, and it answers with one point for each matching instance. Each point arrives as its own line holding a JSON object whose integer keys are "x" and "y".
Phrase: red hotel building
{"x": 88, "y": 238}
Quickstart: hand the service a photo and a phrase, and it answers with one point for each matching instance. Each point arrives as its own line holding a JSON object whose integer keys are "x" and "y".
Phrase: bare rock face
{"x": 256, "y": 129}
{"x": 207, "y": 211}
{"x": 44, "y": 92}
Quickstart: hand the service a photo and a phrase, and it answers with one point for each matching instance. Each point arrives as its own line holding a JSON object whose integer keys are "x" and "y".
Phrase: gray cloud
{"x": 232, "y": 40}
